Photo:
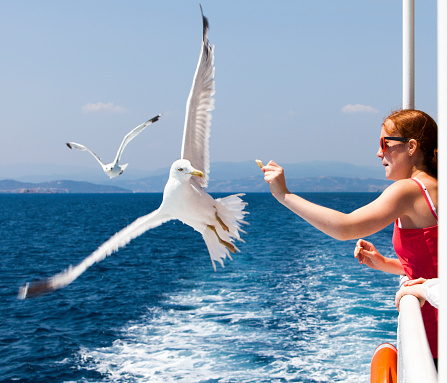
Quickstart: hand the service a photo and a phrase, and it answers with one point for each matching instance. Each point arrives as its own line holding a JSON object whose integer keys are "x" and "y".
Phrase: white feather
{"x": 196, "y": 131}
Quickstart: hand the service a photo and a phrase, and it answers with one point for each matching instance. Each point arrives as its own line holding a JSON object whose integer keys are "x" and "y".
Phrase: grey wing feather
{"x": 196, "y": 132}
{"x": 132, "y": 134}
{"x": 120, "y": 239}
{"x": 74, "y": 145}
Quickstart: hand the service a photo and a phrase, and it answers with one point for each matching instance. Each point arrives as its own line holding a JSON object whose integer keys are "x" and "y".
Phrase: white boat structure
{"x": 414, "y": 361}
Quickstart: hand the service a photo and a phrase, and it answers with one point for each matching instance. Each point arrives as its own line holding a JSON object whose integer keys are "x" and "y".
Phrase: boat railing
{"x": 414, "y": 362}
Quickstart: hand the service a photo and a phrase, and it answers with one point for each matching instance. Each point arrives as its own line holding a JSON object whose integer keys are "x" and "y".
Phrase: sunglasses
{"x": 383, "y": 141}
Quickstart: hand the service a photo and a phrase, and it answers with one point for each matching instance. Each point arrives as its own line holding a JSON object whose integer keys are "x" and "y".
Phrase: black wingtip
{"x": 68, "y": 144}
{"x": 156, "y": 118}
{"x": 206, "y": 24}
{"x": 35, "y": 288}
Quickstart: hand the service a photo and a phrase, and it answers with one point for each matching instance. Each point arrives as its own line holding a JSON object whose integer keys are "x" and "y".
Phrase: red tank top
{"x": 417, "y": 250}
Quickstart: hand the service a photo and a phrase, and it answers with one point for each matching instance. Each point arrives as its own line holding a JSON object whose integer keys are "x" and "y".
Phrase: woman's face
{"x": 395, "y": 157}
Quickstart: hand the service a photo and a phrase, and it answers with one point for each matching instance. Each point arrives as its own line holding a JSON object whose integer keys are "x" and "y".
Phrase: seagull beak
{"x": 197, "y": 173}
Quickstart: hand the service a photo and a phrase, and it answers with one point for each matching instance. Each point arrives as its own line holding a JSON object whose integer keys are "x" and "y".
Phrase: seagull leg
{"x": 225, "y": 227}
{"x": 228, "y": 245}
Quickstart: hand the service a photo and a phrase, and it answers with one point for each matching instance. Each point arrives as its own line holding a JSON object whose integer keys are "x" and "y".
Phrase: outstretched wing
{"x": 120, "y": 239}
{"x": 74, "y": 145}
{"x": 196, "y": 132}
{"x": 133, "y": 133}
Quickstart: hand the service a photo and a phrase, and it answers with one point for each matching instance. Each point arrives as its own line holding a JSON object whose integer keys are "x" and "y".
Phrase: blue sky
{"x": 296, "y": 81}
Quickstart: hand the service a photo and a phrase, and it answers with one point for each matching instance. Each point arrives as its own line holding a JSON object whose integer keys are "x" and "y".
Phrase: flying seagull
{"x": 114, "y": 169}
{"x": 184, "y": 198}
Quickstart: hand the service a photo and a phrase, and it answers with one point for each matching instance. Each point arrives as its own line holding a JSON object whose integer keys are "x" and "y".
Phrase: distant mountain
{"x": 317, "y": 176}
{"x": 258, "y": 185}
{"x": 219, "y": 170}
{"x": 12, "y": 186}
{"x": 247, "y": 177}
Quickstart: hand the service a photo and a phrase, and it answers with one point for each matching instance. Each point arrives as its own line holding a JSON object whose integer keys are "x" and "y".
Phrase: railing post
{"x": 408, "y": 54}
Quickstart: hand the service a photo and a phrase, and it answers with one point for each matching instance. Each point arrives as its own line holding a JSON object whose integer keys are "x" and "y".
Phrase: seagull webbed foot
{"x": 225, "y": 227}
{"x": 228, "y": 245}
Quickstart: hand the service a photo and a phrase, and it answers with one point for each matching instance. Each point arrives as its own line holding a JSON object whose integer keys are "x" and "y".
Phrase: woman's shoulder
{"x": 411, "y": 185}
{"x": 402, "y": 187}
{"x": 402, "y": 192}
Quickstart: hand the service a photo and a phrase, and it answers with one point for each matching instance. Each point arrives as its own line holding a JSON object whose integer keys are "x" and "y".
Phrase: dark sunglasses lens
{"x": 382, "y": 143}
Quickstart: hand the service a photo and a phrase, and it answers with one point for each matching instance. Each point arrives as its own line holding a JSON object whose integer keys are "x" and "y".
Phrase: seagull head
{"x": 112, "y": 171}
{"x": 183, "y": 170}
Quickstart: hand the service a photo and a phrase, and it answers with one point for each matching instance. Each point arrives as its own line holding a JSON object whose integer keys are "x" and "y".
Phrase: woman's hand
{"x": 368, "y": 255}
{"x": 274, "y": 176}
{"x": 411, "y": 289}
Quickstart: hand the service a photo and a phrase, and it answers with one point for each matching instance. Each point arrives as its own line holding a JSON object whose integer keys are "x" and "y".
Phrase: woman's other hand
{"x": 368, "y": 255}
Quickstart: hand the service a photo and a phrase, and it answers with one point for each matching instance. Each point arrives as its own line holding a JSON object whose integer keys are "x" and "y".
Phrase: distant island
{"x": 12, "y": 186}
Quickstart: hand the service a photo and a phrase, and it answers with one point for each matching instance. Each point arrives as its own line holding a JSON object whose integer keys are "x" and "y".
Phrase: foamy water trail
{"x": 293, "y": 331}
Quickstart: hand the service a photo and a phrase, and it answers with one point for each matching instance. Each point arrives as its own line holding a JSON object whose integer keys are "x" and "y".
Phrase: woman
{"x": 408, "y": 150}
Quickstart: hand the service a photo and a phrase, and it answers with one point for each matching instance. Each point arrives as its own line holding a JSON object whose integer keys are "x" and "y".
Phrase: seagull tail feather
{"x": 231, "y": 211}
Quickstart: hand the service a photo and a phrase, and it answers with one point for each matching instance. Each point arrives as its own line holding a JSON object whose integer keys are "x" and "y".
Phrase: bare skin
{"x": 412, "y": 287}
{"x": 403, "y": 199}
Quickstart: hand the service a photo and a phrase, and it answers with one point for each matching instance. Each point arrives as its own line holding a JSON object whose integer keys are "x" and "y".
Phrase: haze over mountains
{"x": 224, "y": 177}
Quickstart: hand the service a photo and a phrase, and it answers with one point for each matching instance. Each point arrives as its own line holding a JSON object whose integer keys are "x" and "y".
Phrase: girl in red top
{"x": 408, "y": 150}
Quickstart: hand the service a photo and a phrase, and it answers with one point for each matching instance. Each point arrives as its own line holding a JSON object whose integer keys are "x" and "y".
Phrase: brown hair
{"x": 415, "y": 124}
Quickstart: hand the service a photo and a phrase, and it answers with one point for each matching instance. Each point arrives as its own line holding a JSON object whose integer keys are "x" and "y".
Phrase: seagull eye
{"x": 180, "y": 169}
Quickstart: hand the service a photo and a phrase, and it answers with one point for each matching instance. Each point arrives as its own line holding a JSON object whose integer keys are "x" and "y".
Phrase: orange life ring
{"x": 384, "y": 364}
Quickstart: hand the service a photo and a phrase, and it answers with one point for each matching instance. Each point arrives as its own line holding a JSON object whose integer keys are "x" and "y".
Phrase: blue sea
{"x": 293, "y": 306}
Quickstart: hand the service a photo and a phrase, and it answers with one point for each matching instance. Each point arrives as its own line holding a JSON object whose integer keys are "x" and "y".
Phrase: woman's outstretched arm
{"x": 362, "y": 222}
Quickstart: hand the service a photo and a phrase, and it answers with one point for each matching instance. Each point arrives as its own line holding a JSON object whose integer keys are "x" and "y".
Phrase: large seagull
{"x": 114, "y": 168}
{"x": 184, "y": 198}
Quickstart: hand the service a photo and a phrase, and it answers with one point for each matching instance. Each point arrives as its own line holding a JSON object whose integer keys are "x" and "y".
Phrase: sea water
{"x": 293, "y": 306}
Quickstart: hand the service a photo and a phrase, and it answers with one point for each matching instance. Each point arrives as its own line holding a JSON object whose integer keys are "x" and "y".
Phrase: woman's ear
{"x": 412, "y": 146}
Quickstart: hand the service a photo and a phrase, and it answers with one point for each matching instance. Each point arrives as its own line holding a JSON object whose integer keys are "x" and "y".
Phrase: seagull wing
{"x": 133, "y": 133}
{"x": 196, "y": 132}
{"x": 120, "y": 239}
{"x": 74, "y": 145}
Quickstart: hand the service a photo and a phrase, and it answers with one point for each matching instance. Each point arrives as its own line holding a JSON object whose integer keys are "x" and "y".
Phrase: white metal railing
{"x": 442, "y": 171}
{"x": 414, "y": 362}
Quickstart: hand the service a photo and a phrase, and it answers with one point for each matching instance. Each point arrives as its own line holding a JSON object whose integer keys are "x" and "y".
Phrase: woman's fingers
{"x": 412, "y": 282}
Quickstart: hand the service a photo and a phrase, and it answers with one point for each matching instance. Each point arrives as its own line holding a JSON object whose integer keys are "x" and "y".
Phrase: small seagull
{"x": 184, "y": 197}
{"x": 114, "y": 169}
